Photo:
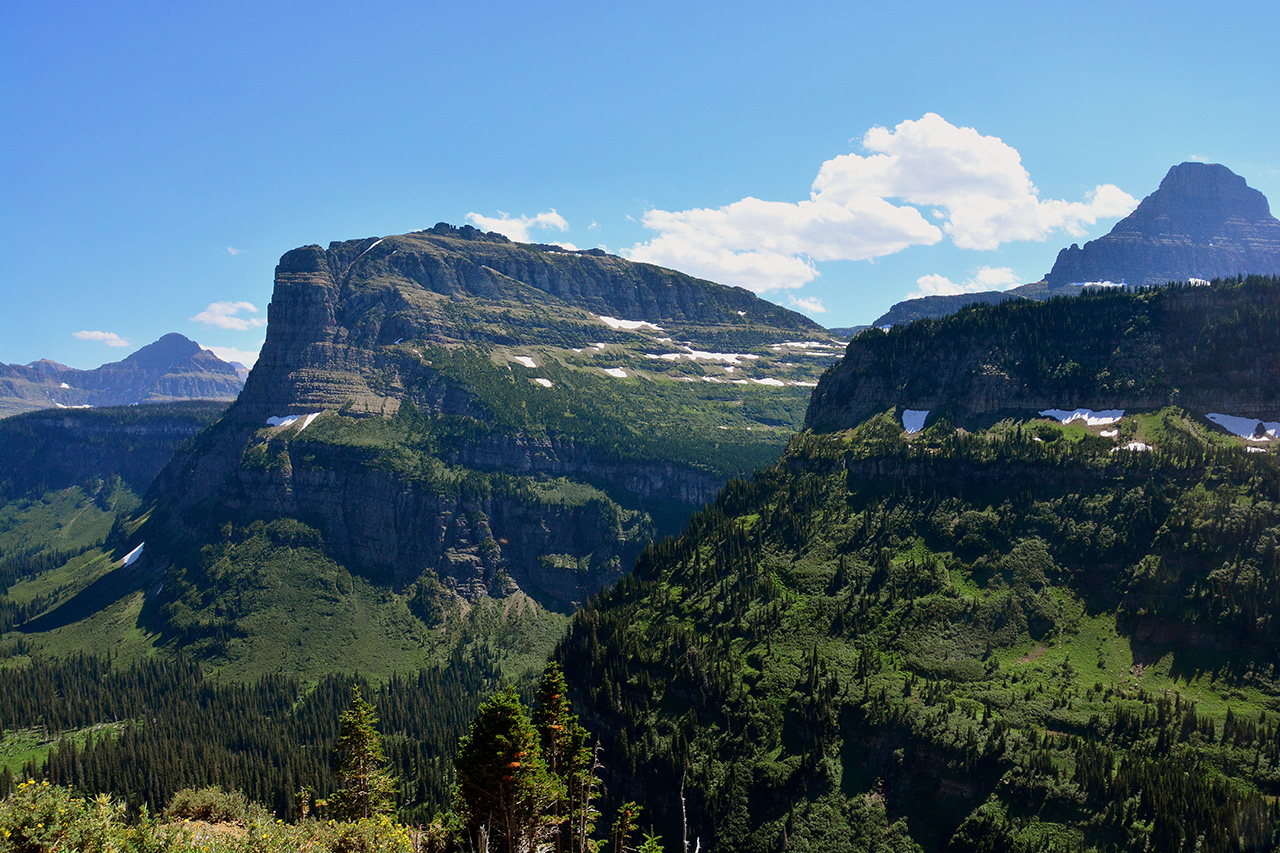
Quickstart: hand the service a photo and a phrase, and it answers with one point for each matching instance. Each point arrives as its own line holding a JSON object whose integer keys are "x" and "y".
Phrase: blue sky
{"x": 157, "y": 159}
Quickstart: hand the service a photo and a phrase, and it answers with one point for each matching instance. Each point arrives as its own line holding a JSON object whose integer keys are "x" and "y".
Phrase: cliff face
{"x": 173, "y": 368}
{"x": 1203, "y": 222}
{"x": 438, "y": 446}
{"x": 1202, "y": 348}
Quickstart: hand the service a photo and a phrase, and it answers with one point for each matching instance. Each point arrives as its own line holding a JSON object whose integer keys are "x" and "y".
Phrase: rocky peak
{"x": 1203, "y": 222}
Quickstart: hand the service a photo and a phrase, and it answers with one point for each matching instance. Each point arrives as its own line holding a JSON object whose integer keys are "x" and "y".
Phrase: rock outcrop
{"x": 173, "y": 368}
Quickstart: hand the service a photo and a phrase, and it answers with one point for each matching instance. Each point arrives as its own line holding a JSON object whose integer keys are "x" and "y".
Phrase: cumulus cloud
{"x": 983, "y": 279}
{"x": 111, "y": 339}
{"x": 247, "y": 357}
{"x": 864, "y": 206}
{"x": 223, "y": 315}
{"x": 517, "y": 227}
{"x": 808, "y": 304}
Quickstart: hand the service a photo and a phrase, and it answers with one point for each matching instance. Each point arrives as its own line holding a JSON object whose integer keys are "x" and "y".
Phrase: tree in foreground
{"x": 571, "y": 758}
{"x": 368, "y": 788}
{"x": 505, "y": 795}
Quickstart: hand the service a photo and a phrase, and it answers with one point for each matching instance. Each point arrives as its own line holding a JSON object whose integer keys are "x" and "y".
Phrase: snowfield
{"x": 524, "y": 360}
{"x": 290, "y": 420}
{"x": 1250, "y": 428}
{"x": 913, "y": 419}
{"x": 1089, "y": 416}
{"x": 616, "y": 372}
{"x": 132, "y": 556}
{"x": 629, "y": 325}
{"x": 545, "y": 383}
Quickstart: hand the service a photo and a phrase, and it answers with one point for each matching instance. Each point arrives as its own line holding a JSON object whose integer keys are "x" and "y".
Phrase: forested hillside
{"x": 1028, "y": 635}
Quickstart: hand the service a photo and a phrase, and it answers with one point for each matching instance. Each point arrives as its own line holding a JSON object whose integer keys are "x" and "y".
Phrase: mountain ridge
{"x": 169, "y": 369}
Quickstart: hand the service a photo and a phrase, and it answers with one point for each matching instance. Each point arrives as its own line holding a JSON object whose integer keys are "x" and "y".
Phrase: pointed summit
{"x": 1203, "y": 222}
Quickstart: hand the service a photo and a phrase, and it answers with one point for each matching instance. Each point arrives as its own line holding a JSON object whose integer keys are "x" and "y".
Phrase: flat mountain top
{"x": 170, "y": 369}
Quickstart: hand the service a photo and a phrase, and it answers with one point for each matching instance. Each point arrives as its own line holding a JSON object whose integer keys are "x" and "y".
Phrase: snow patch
{"x": 1133, "y": 445}
{"x": 545, "y": 383}
{"x": 524, "y": 360}
{"x": 628, "y": 325}
{"x": 777, "y": 383}
{"x": 1250, "y": 428}
{"x": 1256, "y": 449}
{"x": 366, "y": 251}
{"x": 616, "y": 372}
{"x": 805, "y": 384}
{"x": 64, "y": 385}
{"x": 290, "y": 420}
{"x": 913, "y": 419}
{"x": 1109, "y": 433}
{"x": 703, "y": 355}
{"x": 132, "y": 556}
{"x": 1105, "y": 417}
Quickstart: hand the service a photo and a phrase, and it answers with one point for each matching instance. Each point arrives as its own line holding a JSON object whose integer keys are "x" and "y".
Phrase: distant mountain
{"x": 1203, "y": 222}
{"x": 173, "y": 368}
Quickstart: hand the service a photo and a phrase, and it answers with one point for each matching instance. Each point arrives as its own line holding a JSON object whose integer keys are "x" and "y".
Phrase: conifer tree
{"x": 504, "y": 794}
{"x": 368, "y": 787}
{"x": 571, "y": 759}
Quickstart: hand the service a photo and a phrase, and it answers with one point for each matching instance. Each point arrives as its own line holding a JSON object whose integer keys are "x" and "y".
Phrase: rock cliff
{"x": 489, "y": 412}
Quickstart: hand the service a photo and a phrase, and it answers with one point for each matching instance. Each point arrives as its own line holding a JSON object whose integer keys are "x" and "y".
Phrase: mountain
{"x": 173, "y": 368}
{"x": 989, "y": 626}
{"x": 449, "y": 438}
{"x": 1202, "y": 222}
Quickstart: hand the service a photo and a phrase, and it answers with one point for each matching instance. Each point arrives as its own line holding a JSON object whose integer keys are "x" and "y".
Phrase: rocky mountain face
{"x": 1203, "y": 222}
{"x": 172, "y": 368}
{"x": 1194, "y": 347}
{"x": 450, "y": 408}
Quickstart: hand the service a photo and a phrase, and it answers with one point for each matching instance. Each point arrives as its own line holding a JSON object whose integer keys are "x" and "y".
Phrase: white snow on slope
{"x": 366, "y": 251}
{"x": 1256, "y": 449}
{"x": 628, "y": 325}
{"x": 913, "y": 419}
{"x": 702, "y": 355}
{"x": 1245, "y": 427}
{"x": 616, "y": 372}
{"x": 1133, "y": 445}
{"x": 1089, "y": 416}
{"x": 545, "y": 383}
{"x": 64, "y": 385}
{"x": 778, "y": 383}
{"x": 524, "y": 359}
{"x": 132, "y": 556}
{"x": 1109, "y": 433}
{"x": 290, "y": 420}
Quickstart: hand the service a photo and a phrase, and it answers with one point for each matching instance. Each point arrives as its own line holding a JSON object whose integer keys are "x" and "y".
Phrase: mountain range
{"x": 173, "y": 368}
{"x": 1004, "y": 580}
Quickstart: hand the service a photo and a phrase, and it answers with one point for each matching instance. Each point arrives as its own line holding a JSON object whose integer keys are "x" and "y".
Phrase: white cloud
{"x": 111, "y": 339}
{"x": 245, "y": 356}
{"x": 232, "y": 250}
{"x": 222, "y": 315}
{"x": 517, "y": 227}
{"x": 865, "y": 206}
{"x": 808, "y": 304}
{"x": 983, "y": 279}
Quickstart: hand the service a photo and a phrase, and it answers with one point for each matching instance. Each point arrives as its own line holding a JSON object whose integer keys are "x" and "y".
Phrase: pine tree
{"x": 504, "y": 794}
{"x": 571, "y": 759}
{"x": 368, "y": 787}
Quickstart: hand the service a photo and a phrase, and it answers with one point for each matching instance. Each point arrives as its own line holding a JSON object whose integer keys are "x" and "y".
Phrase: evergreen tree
{"x": 571, "y": 759}
{"x": 505, "y": 794}
{"x": 368, "y": 787}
